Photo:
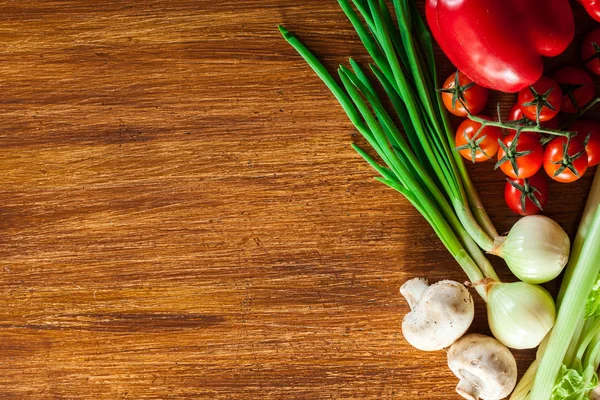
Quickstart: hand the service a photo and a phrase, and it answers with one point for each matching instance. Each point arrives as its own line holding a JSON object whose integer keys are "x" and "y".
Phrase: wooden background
{"x": 182, "y": 216}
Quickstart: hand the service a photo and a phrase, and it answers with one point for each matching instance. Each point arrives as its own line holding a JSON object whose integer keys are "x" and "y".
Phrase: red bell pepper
{"x": 499, "y": 44}
{"x": 592, "y": 7}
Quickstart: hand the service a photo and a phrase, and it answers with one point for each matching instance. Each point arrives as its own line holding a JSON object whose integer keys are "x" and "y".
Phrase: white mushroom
{"x": 485, "y": 367}
{"x": 441, "y": 313}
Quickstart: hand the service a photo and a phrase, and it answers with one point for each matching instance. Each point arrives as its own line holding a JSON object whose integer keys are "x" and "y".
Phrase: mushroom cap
{"x": 485, "y": 367}
{"x": 442, "y": 314}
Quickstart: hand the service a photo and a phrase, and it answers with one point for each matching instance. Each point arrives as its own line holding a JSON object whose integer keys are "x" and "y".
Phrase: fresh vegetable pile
{"x": 422, "y": 158}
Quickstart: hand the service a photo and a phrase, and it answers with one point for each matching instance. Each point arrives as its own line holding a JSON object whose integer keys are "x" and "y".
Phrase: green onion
{"x": 384, "y": 137}
{"x": 430, "y": 132}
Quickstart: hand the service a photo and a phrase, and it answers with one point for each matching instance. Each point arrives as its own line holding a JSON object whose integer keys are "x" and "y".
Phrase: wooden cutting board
{"x": 182, "y": 216}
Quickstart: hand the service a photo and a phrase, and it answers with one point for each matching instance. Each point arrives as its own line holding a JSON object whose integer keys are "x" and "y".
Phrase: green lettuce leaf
{"x": 592, "y": 305}
{"x": 571, "y": 384}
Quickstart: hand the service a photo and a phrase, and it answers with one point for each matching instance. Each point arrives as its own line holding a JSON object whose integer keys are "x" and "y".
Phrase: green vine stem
{"x": 535, "y": 128}
{"x": 521, "y": 128}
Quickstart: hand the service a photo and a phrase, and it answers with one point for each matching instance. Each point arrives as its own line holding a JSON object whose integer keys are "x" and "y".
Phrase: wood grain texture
{"x": 182, "y": 216}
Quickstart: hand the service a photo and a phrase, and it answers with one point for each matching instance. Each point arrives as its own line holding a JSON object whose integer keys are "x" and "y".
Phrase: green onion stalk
{"x": 420, "y": 163}
{"x": 566, "y": 363}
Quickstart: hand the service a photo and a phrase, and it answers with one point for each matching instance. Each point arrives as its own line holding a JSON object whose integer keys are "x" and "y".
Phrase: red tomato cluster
{"x": 522, "y": 156}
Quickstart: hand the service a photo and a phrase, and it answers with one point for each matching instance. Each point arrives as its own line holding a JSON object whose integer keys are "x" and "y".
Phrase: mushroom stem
{"x": 413, "y": 290}
{"x": 467, "y": 390}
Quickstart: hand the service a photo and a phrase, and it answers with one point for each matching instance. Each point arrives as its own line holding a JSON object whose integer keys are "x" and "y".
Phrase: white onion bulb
{"x": 536, "y": 249}
{"x": 520, "y": 314}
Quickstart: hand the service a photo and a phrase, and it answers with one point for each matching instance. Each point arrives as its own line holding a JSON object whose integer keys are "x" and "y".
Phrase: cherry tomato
{"x": 526, "y": 156}
{"x": 476, "y": 145}
{"x": 544, "y": 95}
{"x": 589, "y": 131}
{"x": 458, "y": 87}
{"x": 577, "y": 87}
{"x": 565, "y": 160}
{"x": 590, "y": 51}
{"x": 526, "y": 196}
{"x": 516, "y": 114}
{"x": 591, "y": 6}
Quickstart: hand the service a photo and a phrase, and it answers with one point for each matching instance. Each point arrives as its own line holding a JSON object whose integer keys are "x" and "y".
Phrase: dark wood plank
{"x": 182, "y": 216}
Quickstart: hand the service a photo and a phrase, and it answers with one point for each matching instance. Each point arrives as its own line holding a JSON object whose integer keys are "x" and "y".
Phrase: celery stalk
{"x": 582, "y": 233}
